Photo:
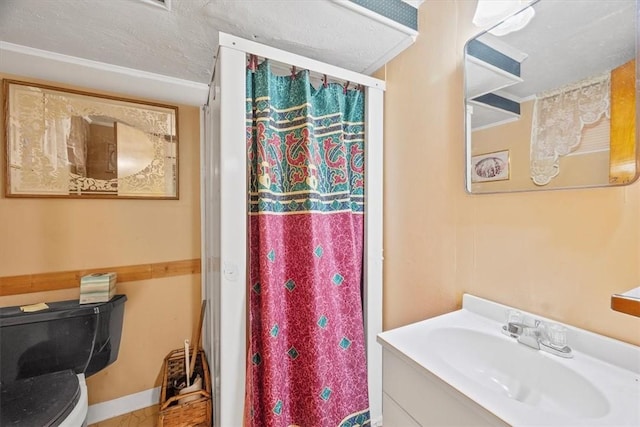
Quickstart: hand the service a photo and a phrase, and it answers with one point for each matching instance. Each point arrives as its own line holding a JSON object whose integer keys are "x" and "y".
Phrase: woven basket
{"x": 194, "y": 413}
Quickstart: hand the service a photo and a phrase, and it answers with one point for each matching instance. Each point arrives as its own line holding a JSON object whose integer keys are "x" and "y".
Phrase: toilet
{"x": 45, "y": 357}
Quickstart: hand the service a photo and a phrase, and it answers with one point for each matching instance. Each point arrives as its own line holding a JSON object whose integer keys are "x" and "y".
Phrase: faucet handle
{"x": 557, "y": 335}
{"x": 514, "y": 316}
{"x": 555, "y": 340}
{"x": 531, "y": 322}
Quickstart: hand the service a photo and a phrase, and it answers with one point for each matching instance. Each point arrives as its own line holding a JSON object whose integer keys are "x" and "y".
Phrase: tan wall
{"x": 558, "y": 253}
{"x": 48, "y": 235}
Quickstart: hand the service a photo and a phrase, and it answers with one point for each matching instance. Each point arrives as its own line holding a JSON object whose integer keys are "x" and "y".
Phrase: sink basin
{"x": 518, "y": 372}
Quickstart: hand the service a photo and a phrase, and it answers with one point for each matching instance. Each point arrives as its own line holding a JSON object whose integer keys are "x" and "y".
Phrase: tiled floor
{"x": 147, "y": 417}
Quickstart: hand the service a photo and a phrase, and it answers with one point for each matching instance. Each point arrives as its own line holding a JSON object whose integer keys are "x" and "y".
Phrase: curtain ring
{"x": 253, "y": 63}
{"x": 346, "y": 86}
{"x": 324, "y": 81}
{"x": 293, "y": 72}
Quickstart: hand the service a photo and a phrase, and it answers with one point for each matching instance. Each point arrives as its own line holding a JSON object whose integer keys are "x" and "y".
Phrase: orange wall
{"x": 557, "y": 253}
{"x": 48, "y": 235}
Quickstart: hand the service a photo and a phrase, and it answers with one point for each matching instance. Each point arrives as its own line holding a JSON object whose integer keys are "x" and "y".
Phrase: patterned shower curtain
{"x": 306, "y": 364}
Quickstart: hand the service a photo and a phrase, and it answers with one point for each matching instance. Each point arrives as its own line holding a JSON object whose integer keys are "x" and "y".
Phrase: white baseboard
{"x": 123, "y": 405}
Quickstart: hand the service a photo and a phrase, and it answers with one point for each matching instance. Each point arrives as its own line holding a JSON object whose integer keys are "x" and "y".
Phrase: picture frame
{"x": 74, "y": 144}
{"x": 489, "y": 167}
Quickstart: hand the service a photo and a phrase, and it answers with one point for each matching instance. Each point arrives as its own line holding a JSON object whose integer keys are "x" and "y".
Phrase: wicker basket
{"x": 194, "y": 413}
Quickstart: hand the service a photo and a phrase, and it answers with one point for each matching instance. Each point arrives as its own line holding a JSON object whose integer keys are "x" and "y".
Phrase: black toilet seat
{"x": 45, "y": 400}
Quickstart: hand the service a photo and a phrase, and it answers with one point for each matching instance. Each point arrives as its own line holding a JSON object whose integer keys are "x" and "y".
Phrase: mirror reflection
{"x": 553, "y": 105}
{"x": 64, "y": 143}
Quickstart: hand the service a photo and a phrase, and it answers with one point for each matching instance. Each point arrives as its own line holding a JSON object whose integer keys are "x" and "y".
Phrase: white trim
{"x": 376, "y": 17}
{"x": 415, "y": 3}
{"x": 230, "y": 331}
{"x": 373, "y": 252}
{"x": 211, "y": 238}
{"x": 204, "y": 116}
{"x": 510, "y": 116}
{"x": 505, "y": 48}
{"x": 515, "y": 98}
{"x": 468, "y": 112}
{"x": 233, "y": 237}
{"x": 41, "y": 64}
{"x": 483, "y": 69}
{"x": 248, "y": 46}
{"x": 494, "y": 124}
{"x": 206, "y": 198}
{"x": 498, "y": 123}
{"x": 390, "y": 54}
{"x": 123, "y": 405}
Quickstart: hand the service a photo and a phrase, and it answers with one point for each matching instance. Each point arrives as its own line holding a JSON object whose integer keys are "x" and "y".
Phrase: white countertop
{"x": 633, "y": 293}
{"x": 607, "y": 370}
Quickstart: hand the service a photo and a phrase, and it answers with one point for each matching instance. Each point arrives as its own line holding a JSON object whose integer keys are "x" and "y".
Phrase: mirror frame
{"x": 467, "y": 119}
{"x": 109, "y": 100}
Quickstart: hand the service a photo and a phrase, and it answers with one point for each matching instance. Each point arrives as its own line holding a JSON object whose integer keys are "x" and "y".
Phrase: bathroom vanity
{"x": 463, "y": 368}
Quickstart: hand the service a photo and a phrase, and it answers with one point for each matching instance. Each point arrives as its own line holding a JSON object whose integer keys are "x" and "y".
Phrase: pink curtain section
{"x": 311, "y": 370}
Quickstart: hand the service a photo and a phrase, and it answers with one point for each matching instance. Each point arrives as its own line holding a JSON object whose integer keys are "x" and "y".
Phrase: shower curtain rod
{"x": 316, "y": 68}
{"x": 281, "y": 68}
{"x": 317, "y": 79}
{"x": 300, "y": 62}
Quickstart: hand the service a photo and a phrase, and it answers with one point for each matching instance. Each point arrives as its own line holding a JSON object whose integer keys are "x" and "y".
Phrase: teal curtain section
{"x": 303, "y": 139}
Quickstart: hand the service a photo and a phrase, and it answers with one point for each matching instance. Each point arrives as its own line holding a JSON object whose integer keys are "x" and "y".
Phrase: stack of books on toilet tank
{"x": 97, "y": 287}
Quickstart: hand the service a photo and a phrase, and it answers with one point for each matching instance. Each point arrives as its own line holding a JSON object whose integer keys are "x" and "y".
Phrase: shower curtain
{"x": 306, "y": 363}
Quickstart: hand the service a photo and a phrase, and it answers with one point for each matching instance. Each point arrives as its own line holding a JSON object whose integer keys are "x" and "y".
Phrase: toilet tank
{"x": 84, "y": 338}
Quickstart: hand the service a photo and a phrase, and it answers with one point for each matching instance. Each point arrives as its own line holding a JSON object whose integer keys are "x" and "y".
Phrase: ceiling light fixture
{"x": 491, "y": 12}
{"x": 164, "y": 4}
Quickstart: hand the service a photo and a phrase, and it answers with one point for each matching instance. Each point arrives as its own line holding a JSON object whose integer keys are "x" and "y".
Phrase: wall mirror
{"x": 553, "y": 104}
{"x": 63, "y": 143}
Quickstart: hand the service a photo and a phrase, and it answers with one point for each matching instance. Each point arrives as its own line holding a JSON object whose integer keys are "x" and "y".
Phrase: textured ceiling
{"x": 182, "y": 43}
{"x": 567, "y": 41}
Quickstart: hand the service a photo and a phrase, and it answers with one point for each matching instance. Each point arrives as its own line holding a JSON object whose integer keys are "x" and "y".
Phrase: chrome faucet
{"x": 525, "y": 334}
{"x": 538, "y": 335}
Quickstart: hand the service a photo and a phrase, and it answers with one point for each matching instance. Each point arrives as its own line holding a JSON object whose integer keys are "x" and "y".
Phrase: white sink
{"x": 518, "y": 372}
{"x": 519, "y": 385}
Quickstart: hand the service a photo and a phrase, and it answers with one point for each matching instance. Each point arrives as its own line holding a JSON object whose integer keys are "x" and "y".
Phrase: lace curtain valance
{"x": 558, "y": 119}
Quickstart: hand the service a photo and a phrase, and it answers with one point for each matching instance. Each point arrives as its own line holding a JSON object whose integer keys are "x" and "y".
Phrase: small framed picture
{"x": 490, "y": 166}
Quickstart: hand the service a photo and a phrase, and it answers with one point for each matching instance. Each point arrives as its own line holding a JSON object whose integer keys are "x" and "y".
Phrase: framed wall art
{"x": 490, "y": 166}
{"x": 67, "y": 143}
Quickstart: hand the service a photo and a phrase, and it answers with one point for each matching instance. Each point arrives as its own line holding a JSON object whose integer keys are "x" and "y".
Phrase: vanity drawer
{"x": 427, "y": 399}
